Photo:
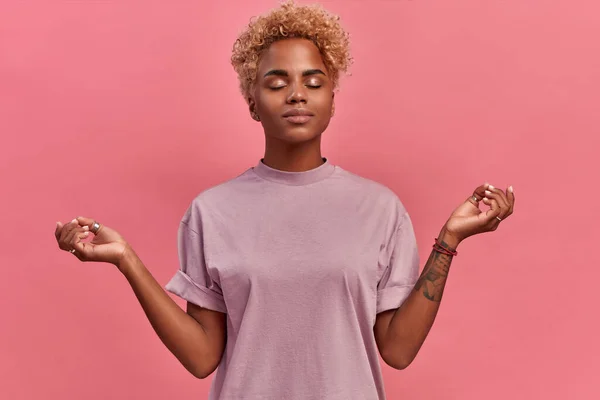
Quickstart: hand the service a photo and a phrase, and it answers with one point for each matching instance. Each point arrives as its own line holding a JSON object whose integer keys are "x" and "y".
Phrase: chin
{"x": 299, "y": 135}
{"x": 296, "y": 134}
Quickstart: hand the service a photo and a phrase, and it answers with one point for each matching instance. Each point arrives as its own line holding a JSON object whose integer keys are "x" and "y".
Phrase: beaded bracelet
{"x": 444, "y": 250}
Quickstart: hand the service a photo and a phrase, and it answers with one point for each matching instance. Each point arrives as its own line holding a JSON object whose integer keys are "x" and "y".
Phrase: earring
{"x": 255, "y": 116}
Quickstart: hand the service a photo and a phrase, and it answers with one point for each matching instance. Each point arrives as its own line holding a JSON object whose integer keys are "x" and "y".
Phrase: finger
{"x": 83, "y": 235}
{"x": 478, "y": 194}
{"x": 83, "y": 251}
{"x": 67, "y": 229}
{"x": 85, "y": 221}
{"x": 502, "y": 200}
{"x": 71, "y": 235}
{"x": 501, "y": 193}
{"x": 77, "y": 238}
{"x": 511, "y": 198}
{"x": 89, "y": 222}
{"x": 501, "y": 203}
{"x": 64, "y": 233}
{"x": 66, "y": 241}
{"x": 58, "y": 229}
{"x": 493, "y": 212}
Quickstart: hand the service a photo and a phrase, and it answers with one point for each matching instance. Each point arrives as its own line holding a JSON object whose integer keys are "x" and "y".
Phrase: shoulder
{"x": 382, "y": 195}
{"x": 216, "y": 197}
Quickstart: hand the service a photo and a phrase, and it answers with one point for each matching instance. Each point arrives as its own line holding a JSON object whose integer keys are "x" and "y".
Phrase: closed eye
{"x": 309, "y": 86}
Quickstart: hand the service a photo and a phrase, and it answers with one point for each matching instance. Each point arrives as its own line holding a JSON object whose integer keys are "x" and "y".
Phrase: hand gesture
{"x": 107, "y": 245}
{"x": 468, "y": 219}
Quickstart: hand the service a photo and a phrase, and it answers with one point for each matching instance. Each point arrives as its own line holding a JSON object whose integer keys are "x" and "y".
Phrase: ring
{"x": 72, "y": 251}
{"x": 499, "y": 219}
{"x": 95, "y": 227}
{"x": 474, "y": 198}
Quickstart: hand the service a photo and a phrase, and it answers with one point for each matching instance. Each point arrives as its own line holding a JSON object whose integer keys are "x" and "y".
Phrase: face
{"x": 293, "y": 94}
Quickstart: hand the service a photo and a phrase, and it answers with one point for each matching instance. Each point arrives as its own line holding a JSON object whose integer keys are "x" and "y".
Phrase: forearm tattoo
{"x": 434, "y": 275}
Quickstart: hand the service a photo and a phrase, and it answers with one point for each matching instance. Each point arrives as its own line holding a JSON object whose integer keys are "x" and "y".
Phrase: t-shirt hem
{"x": 183, "y": 286}
{"x": 392, "y": 297}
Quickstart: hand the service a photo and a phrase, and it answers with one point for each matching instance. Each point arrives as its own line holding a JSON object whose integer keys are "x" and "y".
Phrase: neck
{"x": 293, "y": 157}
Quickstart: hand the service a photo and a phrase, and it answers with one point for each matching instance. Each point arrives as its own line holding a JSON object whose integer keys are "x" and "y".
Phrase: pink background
{"x": 123, "y": 111}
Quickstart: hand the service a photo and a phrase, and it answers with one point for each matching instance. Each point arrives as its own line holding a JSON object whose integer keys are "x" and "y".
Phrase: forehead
{"x": 291, "y": 55}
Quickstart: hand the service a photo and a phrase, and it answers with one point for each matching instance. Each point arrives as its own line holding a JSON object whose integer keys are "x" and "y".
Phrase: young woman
{"x": 297, "y": 273}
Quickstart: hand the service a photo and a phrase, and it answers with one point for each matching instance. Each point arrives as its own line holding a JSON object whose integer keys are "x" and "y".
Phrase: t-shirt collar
{"x": 295, "y": 178}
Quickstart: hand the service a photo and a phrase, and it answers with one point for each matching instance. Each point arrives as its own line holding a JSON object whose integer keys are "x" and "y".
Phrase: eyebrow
{"x": 282, "y": 72}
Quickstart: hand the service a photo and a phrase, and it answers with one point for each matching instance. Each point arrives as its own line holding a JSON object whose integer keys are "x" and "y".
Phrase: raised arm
{"x": 196, "y": 338}
{"x": 400, "y": 332}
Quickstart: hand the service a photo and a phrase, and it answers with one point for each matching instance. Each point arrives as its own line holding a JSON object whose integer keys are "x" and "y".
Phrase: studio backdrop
{"x": 124, "y": 111}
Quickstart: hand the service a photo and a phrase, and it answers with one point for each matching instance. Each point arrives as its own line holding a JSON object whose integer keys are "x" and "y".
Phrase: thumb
{"x": 89, "y": 222}
{"x": 83, "y": 221}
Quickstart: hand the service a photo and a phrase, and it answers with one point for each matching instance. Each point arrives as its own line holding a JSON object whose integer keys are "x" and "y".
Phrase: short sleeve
{"x": 193, "y": 282}
{"x": 401, "y": 270}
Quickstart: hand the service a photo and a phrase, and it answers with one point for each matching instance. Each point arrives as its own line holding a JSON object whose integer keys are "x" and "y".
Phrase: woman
{"x": 297, "y": 273}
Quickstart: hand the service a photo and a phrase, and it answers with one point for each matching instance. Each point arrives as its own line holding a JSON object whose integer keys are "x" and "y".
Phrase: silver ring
{"x": 95, "y": 227}
{"x": 474, "y": 198}
{"x": 499, "y": 219}
{"x": 72, "y": 251}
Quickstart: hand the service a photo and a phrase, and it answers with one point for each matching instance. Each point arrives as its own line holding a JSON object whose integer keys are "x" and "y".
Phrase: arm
{"x": 197, "y": 339}
{"x": 401, "y": 332}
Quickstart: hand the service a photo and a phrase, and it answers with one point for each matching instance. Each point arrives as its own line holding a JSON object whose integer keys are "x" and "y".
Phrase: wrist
{"x": 447, "y": 239}
{"x": 127, "y": 260}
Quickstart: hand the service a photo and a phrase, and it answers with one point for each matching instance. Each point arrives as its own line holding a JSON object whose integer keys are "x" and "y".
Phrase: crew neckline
{"x": 317, "y": 174}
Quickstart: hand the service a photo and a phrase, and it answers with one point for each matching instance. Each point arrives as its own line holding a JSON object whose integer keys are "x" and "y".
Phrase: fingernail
{"x": 511, "y": 189}
{"x": 86, "y": 233}
{"x": 488, "y": 192}
{"x": 491, "y": 187}
{"x": 74, "y": 220}
{"x": 85, "y": 228}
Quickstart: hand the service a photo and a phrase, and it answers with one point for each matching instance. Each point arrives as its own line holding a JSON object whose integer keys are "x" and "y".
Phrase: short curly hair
{"x": 311, "y": 22}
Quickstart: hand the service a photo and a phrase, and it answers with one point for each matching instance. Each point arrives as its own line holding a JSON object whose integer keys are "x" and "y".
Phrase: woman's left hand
{"x": 468, "y": 220}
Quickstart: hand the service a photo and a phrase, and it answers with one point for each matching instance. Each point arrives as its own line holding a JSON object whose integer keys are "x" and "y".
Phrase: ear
{"x": 332, "y": 104}
{"x": 252, "y": 109}
{"x": 251, "y": 104}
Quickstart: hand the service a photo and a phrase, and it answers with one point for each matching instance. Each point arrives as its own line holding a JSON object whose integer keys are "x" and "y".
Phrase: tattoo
{"x": 434, "y": 275}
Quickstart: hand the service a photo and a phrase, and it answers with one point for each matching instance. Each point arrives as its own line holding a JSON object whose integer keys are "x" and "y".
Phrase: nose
{"x": 297, "y": 93}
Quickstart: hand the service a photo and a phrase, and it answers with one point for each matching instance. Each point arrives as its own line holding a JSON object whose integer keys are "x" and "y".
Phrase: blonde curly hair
{"x": 311, "y": 22}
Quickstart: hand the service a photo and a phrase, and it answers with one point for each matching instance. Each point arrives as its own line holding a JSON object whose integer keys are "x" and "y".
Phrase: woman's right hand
{"x": 106, "y": 246}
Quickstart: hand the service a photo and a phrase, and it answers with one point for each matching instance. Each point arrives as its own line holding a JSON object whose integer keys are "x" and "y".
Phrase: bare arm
{"x": 197, "y": 338}
{"x": 400, "y": 332}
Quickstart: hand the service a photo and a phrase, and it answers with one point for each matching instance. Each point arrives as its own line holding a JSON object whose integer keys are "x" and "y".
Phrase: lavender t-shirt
{"x": 301, "y": 262}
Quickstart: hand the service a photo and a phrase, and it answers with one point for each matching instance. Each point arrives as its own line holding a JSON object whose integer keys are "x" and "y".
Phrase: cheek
{"x": 268, "y": 103}
{"x": 325, "y": 102}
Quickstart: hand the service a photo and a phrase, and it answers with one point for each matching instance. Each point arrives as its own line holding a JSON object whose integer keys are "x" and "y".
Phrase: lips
{"x": 298, "y": 115}
{"x": 297, "y": 111}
